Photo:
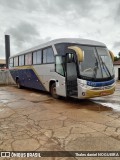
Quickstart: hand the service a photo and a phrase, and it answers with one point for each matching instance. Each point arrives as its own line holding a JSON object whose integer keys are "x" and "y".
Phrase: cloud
{"x": 118, "y": 10}
{"x": 116, "y": 44}
{"x": 75, "y": 6}
{"x": 57, "y": 7}
{"x": 2, "y": 51}
{"x": 22, "y": 34}
{"x": 31, "y": 22}
{"x": 27, "y": 5}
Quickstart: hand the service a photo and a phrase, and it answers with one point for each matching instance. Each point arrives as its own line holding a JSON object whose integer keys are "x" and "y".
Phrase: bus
{"x": 68, "y": 67}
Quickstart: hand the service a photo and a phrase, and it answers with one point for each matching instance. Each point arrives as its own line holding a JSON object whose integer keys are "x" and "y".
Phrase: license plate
{"x": 103, "y": 93}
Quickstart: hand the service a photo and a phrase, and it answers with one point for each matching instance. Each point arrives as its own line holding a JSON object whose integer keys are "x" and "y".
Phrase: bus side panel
{"x": 27, "y": 78}
{"x": 46, "y": 73}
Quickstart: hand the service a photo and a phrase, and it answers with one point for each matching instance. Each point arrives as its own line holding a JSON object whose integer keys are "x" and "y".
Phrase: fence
{"x": 6, "y": 78}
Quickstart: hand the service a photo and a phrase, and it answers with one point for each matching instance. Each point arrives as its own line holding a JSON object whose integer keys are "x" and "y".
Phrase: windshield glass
{"x": 96, "y": 65}
{"x": 90, "y": 67}
{"x": 106, "y": 62}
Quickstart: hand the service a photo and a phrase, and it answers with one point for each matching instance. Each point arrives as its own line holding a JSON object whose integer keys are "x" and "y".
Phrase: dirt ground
{"x": 31, "y": 120}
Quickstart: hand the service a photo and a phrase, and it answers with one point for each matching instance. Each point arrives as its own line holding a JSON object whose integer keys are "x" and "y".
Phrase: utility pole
{"x": 7, "y": 49}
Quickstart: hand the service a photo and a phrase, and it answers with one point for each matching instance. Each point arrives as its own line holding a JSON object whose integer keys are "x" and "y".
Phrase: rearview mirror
{"x": 111, "y": 55}
{"x": 78, "y": 52}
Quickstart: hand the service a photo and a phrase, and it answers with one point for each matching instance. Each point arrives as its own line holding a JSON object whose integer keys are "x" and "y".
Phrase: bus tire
{"x": 53, "y": 91}
{"x": 18, "y": 84}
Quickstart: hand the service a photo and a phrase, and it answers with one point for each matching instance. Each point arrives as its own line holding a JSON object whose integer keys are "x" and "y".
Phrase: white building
{"x": 117, "y": 69}
{"x": 2, "y": 63}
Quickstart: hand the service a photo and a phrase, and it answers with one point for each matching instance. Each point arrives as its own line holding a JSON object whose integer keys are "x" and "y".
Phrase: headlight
{"x": 85, "y": 86}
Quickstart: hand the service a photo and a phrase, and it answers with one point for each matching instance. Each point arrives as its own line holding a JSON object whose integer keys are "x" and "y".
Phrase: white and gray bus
{"x": 69, "y": 67}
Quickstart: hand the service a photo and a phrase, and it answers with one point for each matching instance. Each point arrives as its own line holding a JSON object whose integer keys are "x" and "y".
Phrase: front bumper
{"x": 99, "y": 93}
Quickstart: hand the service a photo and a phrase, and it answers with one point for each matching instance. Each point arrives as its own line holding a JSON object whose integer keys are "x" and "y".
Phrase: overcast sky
{"x": 31, "y": 22}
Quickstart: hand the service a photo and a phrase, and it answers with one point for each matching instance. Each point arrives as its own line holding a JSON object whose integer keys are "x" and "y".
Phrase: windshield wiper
{"x": 106, "y": 68}
{"x": 95, "y": 68}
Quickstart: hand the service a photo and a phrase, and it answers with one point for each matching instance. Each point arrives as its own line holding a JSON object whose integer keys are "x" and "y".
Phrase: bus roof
{"x": 64, "y": 40}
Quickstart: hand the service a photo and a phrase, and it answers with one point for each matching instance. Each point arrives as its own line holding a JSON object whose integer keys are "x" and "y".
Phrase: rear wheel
{"x": 53, "y": 91}
{"x": 18, "y": 84}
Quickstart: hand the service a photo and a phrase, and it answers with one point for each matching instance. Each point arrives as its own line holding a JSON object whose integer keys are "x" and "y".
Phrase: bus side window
{"x": 15, "y": 61}
{"x": 11, "y": 62}
{"x": 45, "y": 56}
{"x": 48, "y": 55}
{"x": 37, "y": 57}
{"x": 21, "y": 60}
{"x": 28, "y": 59}
{"x": 59, "y": 65}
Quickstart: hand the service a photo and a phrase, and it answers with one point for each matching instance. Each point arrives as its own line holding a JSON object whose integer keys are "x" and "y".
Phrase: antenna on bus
{"x": 7, "y": 49}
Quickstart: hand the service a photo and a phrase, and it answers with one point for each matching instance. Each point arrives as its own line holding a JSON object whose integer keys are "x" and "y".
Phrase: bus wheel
{"x": 53, "y": 91}
{"x": 18, "y": 84}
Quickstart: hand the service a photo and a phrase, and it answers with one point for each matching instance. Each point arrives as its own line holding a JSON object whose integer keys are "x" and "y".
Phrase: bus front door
{"x": 60, "y": 76}
{"x": 71, "y": 75}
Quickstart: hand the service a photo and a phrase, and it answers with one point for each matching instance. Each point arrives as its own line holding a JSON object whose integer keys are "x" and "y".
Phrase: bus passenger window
{"x": 37, "y": 55}
{"x": 45, "y": 56}
{"x": 34, "y": 57}
{"x": 59, "y": 65}
{"x": 16, "y": 61}
{"x": 48, "y": 55}
{"x": 11, "y": 62}
{"x": 21, "y": 60}
{"x": 28, "y": 59}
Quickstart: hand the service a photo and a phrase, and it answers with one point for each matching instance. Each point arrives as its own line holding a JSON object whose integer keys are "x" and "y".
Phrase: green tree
{"x": 116, "y": 58}
{"x": 119, "y": 55}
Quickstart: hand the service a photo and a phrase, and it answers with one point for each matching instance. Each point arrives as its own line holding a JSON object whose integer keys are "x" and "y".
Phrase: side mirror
{"x": 78, "y": 52}
{"x": 111, "y": 55}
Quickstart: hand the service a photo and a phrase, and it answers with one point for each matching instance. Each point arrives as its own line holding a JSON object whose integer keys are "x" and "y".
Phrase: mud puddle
{"x": 113, "y": 106}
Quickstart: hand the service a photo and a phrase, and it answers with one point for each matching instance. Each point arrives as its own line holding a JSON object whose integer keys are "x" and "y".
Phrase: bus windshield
{"x": 97, "y": 63}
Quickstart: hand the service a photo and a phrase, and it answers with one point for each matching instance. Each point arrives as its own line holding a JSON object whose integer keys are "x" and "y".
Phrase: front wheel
{"x": 53, "y": 91}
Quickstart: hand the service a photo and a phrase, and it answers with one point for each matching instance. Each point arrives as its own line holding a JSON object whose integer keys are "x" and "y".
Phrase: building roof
{"x": 117, "y": 62}
{"x": 2, "y": 61}
{"x": 64, "y": 40}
